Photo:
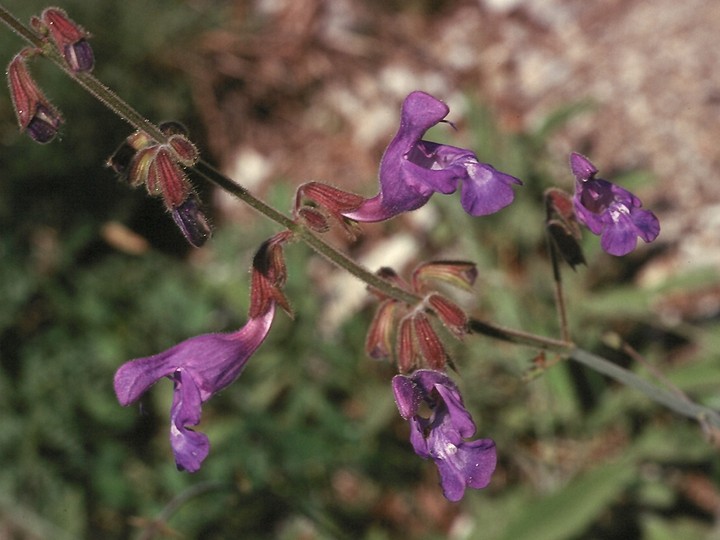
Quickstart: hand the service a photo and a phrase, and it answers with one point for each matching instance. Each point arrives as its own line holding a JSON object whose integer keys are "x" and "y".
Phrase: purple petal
{"x": 420, "y": 112}
{"x": 135, "y": 377}
{"x": 468, "y": 464}
{"x": 646, "y": 224}
{"x": 401, "y": 189}
{"x": 581, "y": 167}
{"x": 618, "y": 239}
{"x": 407, "y": 396}
{"x": 190, "y": 448}
{"x": 428, "y": 379}
{"x": 44, "y": 124}
{"x": 79, "y": 56}
{"x": 192, "y": 222}
{"x": 417, "y": 437}
{"x": 485, "y": 190}
{"x": 458, "y": 418}
{"x": 436, "y": 168}
{"x": 215, "y": 360}
{"x": 226, "y": 355}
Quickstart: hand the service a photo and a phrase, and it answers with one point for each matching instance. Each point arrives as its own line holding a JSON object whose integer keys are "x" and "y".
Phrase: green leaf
{"x": 570, "y": 510}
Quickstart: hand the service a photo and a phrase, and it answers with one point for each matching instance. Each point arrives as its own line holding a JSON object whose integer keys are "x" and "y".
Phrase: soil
{"x": 310, "y": 89}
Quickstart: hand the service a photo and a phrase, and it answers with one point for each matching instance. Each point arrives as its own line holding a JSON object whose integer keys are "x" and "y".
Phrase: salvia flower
{"x": 412, "y": 169}
{"x": 442, "y": 435}
{"x": 200, "y": 367}
{"x": 34, "y": 112}
{"x": 69, "y": 38}
{"x": 609, "y": 210}
{"x": 203, "y": 365}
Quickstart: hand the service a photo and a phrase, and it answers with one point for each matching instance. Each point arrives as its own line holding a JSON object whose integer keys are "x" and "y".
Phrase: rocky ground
{"x": 310, "y": 89}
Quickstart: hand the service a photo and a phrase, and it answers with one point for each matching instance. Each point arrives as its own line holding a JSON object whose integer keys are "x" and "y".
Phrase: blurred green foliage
{"x": 308, "y": 444}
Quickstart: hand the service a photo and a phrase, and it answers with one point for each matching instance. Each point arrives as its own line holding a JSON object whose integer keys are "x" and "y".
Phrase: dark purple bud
{"x": 70, "y": 39}
{"x": 121, "y": 159}
{"x": 80, "y": 56}
{"x": 44, "y": 124}
{"x": 32, "y": 109}
{"x": 192, "y": 222}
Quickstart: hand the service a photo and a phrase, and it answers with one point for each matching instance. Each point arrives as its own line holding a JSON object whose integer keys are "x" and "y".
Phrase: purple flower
{"x": 441, "y": 436}
{"x": 609, "y": 210}
{"x": 200, "y": 367}
{"x": 413, "y": 169}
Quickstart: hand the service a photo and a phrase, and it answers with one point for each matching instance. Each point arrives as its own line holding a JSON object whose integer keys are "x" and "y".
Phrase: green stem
{"x": 559, "y": 295}
{"x": 679, "y": 404}
{"x": 20, "y": 29}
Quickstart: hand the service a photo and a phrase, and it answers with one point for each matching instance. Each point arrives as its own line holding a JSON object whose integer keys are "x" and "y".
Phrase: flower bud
{"x": 451, "y": 315}
{"x": 562, "y": 225}
{"x": 269, "y": 275}
{"x": 166, "y": 175}
{"x": 460, "y": 274}
{"x": 314, "y": 219}
{"x": 334, "y": 200}
{"x": 173, "y": 127}
{"x": 378, "y": 342}
{"x": 70, "y": 39}
{"x": 139, "y": 171}
{"x": 184, "y": 151}
{"x": 140, "y": 139}
{"x": 44, "y": 124}
{"x": 121, "y": 159}
{"x": 33, "y": 111}
{"x": 431, "y": 348}
{"x": 406, "y": 345}
{"x": 192, "y": 222}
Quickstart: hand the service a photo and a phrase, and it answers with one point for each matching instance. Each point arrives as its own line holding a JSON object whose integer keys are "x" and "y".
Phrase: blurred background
{"x": 307, "y": 444}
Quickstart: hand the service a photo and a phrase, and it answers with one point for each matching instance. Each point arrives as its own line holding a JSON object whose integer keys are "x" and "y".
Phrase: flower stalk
{"x": 437, "y": 154}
